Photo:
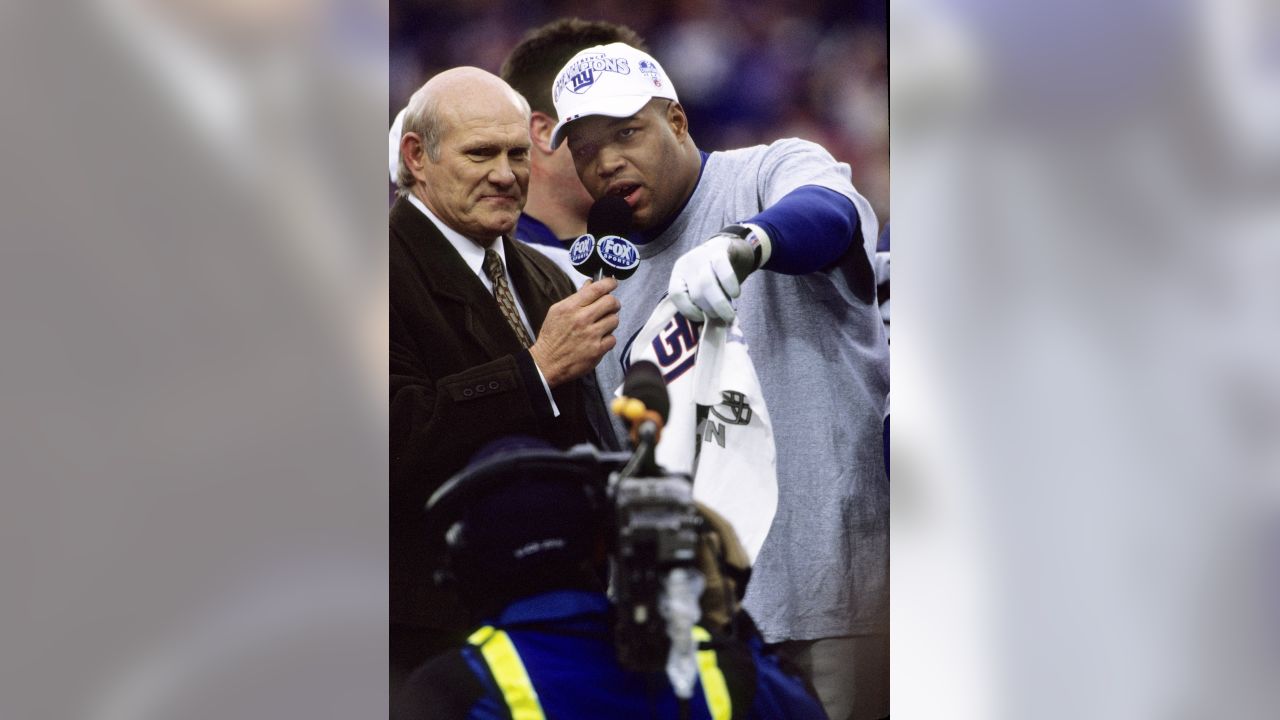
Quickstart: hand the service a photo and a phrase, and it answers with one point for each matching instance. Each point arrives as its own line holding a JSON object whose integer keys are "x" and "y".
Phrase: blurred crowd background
{"x": 747, "y": 72}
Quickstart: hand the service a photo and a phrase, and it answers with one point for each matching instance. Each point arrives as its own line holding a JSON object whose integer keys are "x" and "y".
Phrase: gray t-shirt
{"x": 823, "y": 364}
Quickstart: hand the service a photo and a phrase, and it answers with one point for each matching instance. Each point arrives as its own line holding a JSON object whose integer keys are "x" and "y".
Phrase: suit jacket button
{"x": 493, "y": 385}
{"x": 468, "y": 392}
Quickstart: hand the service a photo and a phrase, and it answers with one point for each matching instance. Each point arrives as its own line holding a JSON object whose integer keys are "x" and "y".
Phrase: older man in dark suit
{"x": 488, "y": 337}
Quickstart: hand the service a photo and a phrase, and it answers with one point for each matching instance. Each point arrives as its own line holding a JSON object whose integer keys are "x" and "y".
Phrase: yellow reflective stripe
{"x": 504, "y": 662}
{"x": 713, "y": 684}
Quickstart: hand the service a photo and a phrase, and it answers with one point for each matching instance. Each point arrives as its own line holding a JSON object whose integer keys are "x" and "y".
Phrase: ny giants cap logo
{"x": 581, "y": 75}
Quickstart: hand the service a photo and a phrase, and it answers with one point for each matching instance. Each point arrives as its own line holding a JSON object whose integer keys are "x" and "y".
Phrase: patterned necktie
{"x": 502, "y": 293}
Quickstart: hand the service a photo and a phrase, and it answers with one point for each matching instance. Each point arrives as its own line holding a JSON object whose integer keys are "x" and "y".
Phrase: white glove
{"x": 706, "y": 279}
{"x": 703, "y": 281}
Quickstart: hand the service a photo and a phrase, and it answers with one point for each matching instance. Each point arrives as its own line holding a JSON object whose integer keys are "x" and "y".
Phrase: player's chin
{"x": 642, "y": 216}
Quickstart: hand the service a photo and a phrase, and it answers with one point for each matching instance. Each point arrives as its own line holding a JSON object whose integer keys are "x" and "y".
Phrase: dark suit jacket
{"x": 459, "y": 378}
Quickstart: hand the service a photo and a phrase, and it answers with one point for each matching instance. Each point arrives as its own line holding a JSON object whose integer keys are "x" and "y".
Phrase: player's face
{"x": 636, "y": 158}
{"x": 478, "y": 185}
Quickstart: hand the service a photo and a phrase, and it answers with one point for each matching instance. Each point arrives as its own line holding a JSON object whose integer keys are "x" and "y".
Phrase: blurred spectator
{"x": 748, "y": 73}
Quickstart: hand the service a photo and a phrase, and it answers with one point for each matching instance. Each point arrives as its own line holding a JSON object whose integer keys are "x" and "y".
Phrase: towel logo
{"x": 737, "y": 405}
{"x": 676, "y": 347}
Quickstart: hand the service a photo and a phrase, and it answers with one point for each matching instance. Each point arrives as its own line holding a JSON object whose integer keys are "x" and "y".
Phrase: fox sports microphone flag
{"x": 718, "y": 429}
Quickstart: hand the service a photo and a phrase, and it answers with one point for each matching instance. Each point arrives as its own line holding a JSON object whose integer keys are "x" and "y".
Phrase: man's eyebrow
{"x": 494, "y": 147}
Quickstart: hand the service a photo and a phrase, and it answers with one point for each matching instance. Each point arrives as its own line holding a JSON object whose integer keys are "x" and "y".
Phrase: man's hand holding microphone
{"x": 578, "y": 330}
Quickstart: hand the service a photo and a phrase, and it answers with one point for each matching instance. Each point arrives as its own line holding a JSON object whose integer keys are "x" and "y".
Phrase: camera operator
{"x": 528, "y": 530}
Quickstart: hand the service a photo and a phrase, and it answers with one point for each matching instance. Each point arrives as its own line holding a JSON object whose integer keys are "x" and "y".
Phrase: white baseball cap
{"x": 615, "y": 80}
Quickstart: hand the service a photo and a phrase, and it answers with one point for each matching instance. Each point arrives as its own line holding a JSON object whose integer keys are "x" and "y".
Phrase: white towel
{"x": 730, "y": 453}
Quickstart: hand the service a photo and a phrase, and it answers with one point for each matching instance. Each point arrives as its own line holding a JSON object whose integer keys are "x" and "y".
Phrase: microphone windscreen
{"x": 644, "y": 382}
{"x": 610, "y": 215}
{"x": 583, "y": 255}
{"x": 617, "y": 256}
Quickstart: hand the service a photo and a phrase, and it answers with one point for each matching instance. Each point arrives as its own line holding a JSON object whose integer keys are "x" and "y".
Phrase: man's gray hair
{"x": 422, "y": 116}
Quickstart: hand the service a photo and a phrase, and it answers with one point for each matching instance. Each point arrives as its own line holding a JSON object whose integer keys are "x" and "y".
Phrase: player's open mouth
{"x": 626, "y": 191}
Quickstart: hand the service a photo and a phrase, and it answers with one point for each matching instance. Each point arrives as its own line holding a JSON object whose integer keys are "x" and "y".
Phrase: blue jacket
{"x": 551, "y": 656}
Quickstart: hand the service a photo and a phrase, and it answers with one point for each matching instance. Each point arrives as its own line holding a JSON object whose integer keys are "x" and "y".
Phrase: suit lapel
{"x": 449, "y": 279}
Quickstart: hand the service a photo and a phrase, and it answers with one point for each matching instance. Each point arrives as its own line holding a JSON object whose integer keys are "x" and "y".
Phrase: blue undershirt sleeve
{"x": 810, "y": 227}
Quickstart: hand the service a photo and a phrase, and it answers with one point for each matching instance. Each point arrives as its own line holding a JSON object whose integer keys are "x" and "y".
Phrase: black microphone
{"x": 610, "y": 215}
{"x": 644, "y": 382}
{"x": 604, "y": 249}
{"x": 582, "y": 254}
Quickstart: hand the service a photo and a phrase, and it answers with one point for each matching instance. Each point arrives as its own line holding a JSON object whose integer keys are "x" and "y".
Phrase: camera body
{"x": 655, "y": 533}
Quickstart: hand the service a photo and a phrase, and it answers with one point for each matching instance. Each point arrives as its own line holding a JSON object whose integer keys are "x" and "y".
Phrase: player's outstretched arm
{"x": 808, "y": 229}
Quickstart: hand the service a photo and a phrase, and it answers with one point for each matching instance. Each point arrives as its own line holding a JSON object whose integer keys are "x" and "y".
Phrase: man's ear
{"x": 677, "y": 119}
{"x": 414, "y": 154}
{"x": 540, "y": 127}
